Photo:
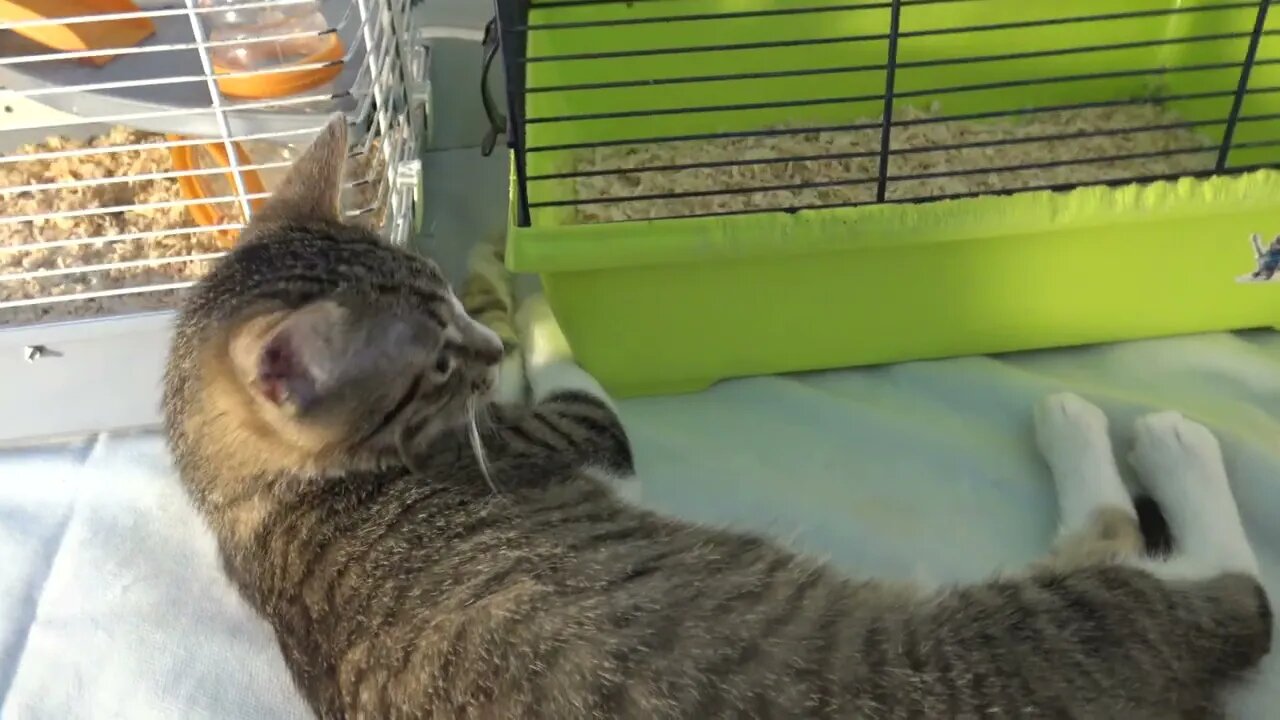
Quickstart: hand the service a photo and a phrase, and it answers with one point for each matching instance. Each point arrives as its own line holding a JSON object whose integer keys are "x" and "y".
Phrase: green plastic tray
{"x": 675, "y": 305}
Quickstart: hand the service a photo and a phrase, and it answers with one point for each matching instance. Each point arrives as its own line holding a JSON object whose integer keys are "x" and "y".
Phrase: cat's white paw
{"x": 1167, "y": 445}
{"x": 1072, "y": 435}
{"x": 540, "y": 334}
{"x": 1067, "y": 425}
{"x": 511, "y": 381}
{"x": 548, "y": 362}
{"x": 1180, "y": 464}
{"x": 628, "y": 490}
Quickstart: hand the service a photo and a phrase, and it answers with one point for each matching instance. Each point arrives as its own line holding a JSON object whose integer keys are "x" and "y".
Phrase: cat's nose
{"x": 486, "y": 346}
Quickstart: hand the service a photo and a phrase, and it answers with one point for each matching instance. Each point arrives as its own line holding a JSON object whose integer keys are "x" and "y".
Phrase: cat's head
{"x": 315, "y": 344}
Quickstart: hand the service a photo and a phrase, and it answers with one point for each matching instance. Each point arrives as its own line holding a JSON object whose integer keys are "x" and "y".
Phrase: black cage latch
{"x": 497, "y": 121}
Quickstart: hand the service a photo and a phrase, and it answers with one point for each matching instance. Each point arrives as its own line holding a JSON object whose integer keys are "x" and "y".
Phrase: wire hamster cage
{"x": 137, "y": 138}
{"x": 717, "y": 188}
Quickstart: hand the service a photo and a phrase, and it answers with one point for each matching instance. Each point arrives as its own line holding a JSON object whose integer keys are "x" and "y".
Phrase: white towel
{"x": 134, "y": 618}
{"x": 112, "y": 603}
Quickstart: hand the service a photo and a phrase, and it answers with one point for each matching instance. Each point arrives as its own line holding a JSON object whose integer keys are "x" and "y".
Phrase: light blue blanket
{"x": 112, "y": 604}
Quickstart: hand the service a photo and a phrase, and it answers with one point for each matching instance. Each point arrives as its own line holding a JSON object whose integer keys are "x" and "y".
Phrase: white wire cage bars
{"x": 123, "y": 181}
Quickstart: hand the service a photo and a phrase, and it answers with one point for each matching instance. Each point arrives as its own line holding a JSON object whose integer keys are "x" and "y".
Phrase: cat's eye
{"x": 444, "y": 364}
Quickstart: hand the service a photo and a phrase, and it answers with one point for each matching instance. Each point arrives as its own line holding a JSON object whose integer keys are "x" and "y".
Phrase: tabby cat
{"x": 323, "y": 395}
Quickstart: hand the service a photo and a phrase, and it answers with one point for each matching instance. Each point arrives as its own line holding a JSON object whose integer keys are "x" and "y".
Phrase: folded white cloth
{"x": 112, "y": 603}
{"x": 112, "y": 600}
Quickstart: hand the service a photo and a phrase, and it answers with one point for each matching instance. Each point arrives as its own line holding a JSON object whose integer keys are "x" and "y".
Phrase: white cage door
{"x": 124, "y": 179}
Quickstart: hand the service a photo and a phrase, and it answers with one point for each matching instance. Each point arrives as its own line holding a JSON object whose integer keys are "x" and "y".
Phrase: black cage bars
{"x": 512, "y": 20}
{"x": 514, "y": 25}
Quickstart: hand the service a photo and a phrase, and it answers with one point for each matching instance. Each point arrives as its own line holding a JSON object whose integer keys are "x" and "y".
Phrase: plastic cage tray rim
{"x": 931, "y": 177}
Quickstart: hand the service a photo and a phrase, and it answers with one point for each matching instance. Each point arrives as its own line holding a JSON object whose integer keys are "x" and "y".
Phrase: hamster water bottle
{"x": 280, "y": 37}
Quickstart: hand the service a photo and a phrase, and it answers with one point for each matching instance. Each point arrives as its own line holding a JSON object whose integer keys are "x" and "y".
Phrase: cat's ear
{"x": 296, "y": 360}
{"x": 294, "y": 363}
{"x": 313, "y": 186}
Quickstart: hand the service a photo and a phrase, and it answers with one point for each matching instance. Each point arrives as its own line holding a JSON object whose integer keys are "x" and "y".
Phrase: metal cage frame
{"x": 102, "y": 371}
{"x": 514, "y": 28}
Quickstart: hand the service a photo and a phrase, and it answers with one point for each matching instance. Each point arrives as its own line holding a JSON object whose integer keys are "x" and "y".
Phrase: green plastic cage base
{"x": 673, "y": 306}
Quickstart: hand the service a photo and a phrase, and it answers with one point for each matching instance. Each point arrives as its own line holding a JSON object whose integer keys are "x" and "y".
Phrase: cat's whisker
{"x": 477, "y": 446}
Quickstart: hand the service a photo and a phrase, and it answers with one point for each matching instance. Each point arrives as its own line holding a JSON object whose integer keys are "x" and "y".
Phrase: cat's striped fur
{"x": 488, "y": 297}
{"x": 314, "y": 422}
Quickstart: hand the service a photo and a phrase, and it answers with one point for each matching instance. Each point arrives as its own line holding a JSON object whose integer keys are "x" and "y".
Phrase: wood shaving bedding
{"x": 140, "y": 220}
{"x": 925, "y": 135}
{"x": 107, "y": 164}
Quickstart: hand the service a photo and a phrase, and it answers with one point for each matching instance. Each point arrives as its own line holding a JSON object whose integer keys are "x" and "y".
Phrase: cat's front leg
{"x": 549, "y": 364}
{"x": 488, "y": 297}
{"x": 1180, "y": 463}
{"x": 1097, "y": 521}
{"x": 570, "y": 411}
